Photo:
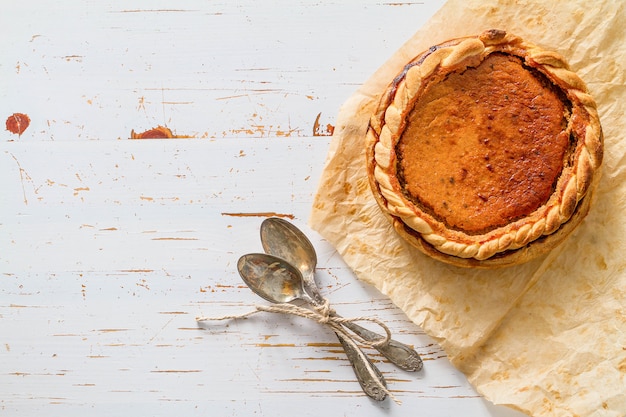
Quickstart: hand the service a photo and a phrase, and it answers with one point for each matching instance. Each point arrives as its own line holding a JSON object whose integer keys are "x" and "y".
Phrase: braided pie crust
{"x": 516, "y": 239}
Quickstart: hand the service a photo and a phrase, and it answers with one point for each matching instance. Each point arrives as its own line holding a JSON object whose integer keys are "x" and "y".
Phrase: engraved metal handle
{"x": 371, "y": 380}
{"x": 398, "y": 353}
{"x": 403, "y": 356}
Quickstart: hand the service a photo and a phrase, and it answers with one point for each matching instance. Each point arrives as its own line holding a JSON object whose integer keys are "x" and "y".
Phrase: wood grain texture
{"x": 111, "y": 247}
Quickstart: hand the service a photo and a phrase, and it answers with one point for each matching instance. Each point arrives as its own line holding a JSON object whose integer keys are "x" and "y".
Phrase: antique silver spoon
{"x": 279, "y": 282}
{"x": 281, "y": 238}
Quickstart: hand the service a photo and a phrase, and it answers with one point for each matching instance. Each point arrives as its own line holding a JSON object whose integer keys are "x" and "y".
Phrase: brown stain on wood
{"x": 322, "y": 344}
{"x": 260, "y": 214}
{"x": 17, "y": 123}
{"x": 159, "y": 132}
{"x": 325, "y": 358}
{"x": 319, "y": 130}
{"x": 24, "y": 177}
{"x": 79, "y": 189}
{"x": 266, "y": 345}
{"x": 221, "y": 287}
{"x": 77, "y": 58}
{"x": 111, "y": 330}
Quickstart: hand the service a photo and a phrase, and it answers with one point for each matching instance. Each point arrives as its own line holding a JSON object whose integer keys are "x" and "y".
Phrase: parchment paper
{"x": 548, "y": 337}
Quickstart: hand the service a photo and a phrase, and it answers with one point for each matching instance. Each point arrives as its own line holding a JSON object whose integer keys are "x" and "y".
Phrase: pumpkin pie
{"x": 484, "y": 151}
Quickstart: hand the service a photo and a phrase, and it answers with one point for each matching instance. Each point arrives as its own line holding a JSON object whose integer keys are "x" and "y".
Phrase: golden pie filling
{"x": 484, "y": 147}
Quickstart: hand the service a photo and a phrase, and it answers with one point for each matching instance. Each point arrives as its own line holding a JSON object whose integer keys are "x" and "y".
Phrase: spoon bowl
{"x": 270, "y": 277}
{"x": 281, "y": 238}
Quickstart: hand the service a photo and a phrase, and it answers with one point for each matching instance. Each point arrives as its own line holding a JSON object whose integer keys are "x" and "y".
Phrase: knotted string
{"x": 323, "y": 314}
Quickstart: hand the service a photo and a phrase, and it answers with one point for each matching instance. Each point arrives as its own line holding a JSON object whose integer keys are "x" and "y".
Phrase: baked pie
{"x": 484, "y": 151}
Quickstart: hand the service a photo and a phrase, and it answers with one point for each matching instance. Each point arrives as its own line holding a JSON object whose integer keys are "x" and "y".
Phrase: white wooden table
{"x": 110, "y": 247}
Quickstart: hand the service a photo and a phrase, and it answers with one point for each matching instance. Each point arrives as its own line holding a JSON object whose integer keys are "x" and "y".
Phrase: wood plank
{"x": 109, "y": 248}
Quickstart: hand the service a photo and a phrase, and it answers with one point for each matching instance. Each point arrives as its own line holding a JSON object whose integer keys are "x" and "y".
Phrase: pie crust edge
{"x": 519, "y": 240}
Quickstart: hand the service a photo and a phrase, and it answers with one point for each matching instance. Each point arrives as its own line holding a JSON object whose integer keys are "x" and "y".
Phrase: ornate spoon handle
{"x": 398, "y": 353}
{"x": 371, "y": 380}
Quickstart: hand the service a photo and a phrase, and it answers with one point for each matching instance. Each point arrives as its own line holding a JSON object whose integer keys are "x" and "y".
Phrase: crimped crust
{"x": 501, "y": 245}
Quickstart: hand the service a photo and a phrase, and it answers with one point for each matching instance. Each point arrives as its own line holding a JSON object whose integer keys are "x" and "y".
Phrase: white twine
{"x": 325, "y": 315}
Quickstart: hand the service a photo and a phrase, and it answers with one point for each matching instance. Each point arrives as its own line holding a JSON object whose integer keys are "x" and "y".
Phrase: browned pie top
{"x": 482, "y": 150}
{"x": 485, "y": 146}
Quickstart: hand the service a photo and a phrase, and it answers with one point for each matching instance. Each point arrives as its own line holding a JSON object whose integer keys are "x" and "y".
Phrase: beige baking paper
{"x": 548, "y": 337}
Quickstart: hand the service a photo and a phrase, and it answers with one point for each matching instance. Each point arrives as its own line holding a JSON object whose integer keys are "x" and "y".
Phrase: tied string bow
{"x": 323, "y": 314}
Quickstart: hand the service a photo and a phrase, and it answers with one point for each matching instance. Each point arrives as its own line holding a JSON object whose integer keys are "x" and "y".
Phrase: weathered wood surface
{"x": 110, "y": 247}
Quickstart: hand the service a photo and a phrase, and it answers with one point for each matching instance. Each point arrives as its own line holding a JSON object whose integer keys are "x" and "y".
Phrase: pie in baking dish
{"x": 484, "y": 151}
